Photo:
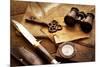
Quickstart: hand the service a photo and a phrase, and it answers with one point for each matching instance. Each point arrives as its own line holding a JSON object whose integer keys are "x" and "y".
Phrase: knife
{"x": 34, "y": 41}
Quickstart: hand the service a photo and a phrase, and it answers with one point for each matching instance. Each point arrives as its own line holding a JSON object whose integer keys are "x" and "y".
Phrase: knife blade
{"x": 33, "y": 41}
{"x": 24, "y": 32}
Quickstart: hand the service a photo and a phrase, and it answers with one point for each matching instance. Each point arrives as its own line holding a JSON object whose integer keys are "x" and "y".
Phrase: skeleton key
{"x": 53, "y": 26}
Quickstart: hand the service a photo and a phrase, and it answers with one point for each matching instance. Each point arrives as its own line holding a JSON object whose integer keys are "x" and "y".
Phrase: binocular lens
{"x": 86, "y": 27}
{"x": 69, "y": 21}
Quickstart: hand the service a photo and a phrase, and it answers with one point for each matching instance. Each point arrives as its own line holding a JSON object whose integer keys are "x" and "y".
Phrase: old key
{"x": 53, "y": 26}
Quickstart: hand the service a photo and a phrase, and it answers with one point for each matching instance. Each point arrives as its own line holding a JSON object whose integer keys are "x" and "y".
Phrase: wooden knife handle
{"x": 46, "y": 54}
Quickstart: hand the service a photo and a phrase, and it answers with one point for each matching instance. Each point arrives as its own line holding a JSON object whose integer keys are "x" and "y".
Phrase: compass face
{"x": 67, "y": 50}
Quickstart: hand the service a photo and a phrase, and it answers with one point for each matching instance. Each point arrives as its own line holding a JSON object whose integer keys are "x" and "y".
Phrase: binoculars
{"x": 75, "y": 17}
